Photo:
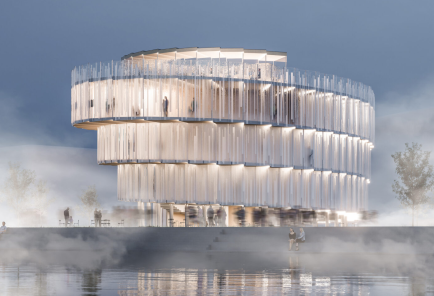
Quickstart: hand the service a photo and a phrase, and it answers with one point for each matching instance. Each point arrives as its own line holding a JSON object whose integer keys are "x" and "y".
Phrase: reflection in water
{"x": 91, "y": 282}
{"x": 302, "y": 276}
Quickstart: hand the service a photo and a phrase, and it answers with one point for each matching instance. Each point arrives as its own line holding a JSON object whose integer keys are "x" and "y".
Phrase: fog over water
{"x": 377, "y": 43}
{"x": 386, "y": 45}
{"x": 170, "y": 275}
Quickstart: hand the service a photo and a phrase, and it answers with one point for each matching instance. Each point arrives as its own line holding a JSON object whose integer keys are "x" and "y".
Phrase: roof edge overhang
{"x": 209, "y": 52}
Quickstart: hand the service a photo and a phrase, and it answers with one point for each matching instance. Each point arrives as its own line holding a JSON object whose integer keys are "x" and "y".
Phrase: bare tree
{"x": 17, "y": 189}
{"x": 24, "y": 193}
{"x": 89, "y": 201}
{"x": 40, "y": 200}
{"x": 416, "y": 178}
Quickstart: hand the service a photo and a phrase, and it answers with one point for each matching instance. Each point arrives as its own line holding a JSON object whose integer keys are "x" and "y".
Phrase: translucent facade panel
{"x": 230, "y": 141}
{"x": 230, "y": 144}
{"x": 308, "y": 152}
{"x": 237, "y": 185}
{"x": 327, "y": 151}
{"x": 343, "y": 158}
{"x": 240, "y": 185}
{"x": 326, "y": 190}
{"x": 334, "y": 190}
{"x": 341, "y": 192}
{"x": 335, "y": 155}
{"x": 298, "y": 142}
{"x": 316, "y": 189}
{"x": 202, "y": 142}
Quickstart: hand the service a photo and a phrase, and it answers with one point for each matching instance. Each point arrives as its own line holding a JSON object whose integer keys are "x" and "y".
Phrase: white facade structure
{"x": 229, "y": 127}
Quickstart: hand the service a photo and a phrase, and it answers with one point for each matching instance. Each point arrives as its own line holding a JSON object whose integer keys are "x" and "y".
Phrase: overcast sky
{"x": 385, "y": 44}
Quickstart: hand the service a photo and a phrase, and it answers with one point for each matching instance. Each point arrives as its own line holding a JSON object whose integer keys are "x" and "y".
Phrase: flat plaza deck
{"x": 330, "y": 240}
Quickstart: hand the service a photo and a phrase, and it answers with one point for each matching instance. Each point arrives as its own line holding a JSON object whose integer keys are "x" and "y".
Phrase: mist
{"x": 68, "y": 171}
{"x": 400, "y": 118}
{"x": 385, "y": 46}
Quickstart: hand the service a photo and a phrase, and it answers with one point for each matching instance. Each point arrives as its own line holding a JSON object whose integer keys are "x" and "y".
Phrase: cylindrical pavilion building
{"x": 228, "y": 126}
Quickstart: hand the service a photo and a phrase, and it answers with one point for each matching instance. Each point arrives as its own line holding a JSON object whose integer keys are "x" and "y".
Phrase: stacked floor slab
{"x": 230, "y": 127}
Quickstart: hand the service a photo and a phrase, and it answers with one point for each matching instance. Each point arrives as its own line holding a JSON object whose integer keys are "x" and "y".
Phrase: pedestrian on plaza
{"x": 95, "y": 217}
{"x": 192, "y": 215}
{"x": 218, "y": 217}
{"x": 66, "y": 215}
{"x": 99, "y": 218}
{"x": 3, "y": 228}
{"x": 222, "y": 217}
{"x": 241, "y": 216}
{"x": 210, "y": 215}
{"x": 263, "y": 216}
{"x": 292, "y": 238}
{"x": 257, "y": 217}
{"x": 300, "y": 239}
{"x": 200, "y": 216}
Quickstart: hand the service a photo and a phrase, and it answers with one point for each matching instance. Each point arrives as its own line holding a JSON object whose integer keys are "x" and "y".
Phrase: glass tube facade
{"x": 228, "y": 127}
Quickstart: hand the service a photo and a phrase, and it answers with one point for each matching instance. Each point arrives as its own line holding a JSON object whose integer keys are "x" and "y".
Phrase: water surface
{"x": 230, "y": 274}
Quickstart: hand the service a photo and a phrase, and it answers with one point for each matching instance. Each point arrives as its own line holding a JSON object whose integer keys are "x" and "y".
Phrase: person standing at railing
{"x": 166, "y": 106}
{"x": 193, "y": 106}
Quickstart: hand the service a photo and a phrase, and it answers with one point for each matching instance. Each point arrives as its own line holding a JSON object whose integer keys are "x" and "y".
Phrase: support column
{"x": 315, "y": 219}
{"x": 204, "y": 218}
{"x": 171, "y": 221}
{"x": 326, "y": 219}
{"x": 186, "y": 215}
{"x": 300, "y": 218}
{"x": 142, "y": 213}
{"x": 148, "y": 214}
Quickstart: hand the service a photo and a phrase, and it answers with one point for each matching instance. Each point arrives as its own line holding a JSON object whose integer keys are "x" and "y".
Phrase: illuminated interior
{"x": 228, "y": 127}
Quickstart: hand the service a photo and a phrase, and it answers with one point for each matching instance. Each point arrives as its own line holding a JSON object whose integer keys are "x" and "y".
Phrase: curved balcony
{"x": 229, "y": 90}
{"x": 240, "y": 185}
{"x": 232, "y": 144}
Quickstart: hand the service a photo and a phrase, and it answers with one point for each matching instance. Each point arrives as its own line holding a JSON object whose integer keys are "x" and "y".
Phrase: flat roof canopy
{"x": 209, "y": 52}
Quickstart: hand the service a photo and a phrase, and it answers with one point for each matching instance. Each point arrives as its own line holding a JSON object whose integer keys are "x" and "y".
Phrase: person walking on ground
{"x": 95, "y": 217}
{"x": 210, "y": 215}
{"x": 3, "y": 228}
{"x": 99, "y": 218}
{"x": 218, "y": 217}
{"x": 255, "y": 217}
{"x": 241, "y": 215}
{"x": 292, "y": 237}
{"x": 300, "y": 239}
{"x": 222, "y": 217}
{"x": 66, "y": 215}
